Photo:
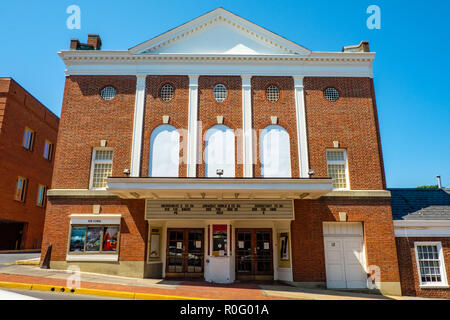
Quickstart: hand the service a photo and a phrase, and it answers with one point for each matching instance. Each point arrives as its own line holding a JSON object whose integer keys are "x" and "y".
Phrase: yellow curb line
{"x": 28, "y": 262}
{"x": 97, "y": 292}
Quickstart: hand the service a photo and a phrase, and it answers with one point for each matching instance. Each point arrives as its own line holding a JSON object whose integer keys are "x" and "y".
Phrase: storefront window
{"x": 220, "y": 240}
{"x": 94, "y": 239}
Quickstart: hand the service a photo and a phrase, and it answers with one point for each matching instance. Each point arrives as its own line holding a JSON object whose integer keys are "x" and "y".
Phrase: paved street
{"x": 41, "y": 295}
{"x": 12, "y": 257}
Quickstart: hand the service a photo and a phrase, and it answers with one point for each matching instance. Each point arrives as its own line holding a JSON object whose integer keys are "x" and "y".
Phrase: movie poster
{"x": 77, "y": 239}
{"x": 93, "y": 238}
{"x": 110, "y": 239}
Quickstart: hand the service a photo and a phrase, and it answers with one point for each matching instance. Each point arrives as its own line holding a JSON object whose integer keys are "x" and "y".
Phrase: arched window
{"x": 220, "y": 151}
{"x": 275, "y": 152}
{"x": 164, "y": 152}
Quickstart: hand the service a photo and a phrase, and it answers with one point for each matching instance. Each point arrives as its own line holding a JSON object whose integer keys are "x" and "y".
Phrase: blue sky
{"x": 412, "y": 64}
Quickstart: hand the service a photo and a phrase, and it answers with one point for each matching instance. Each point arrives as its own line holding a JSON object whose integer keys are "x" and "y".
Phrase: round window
{"x": 273, "y": 93}
{"x": 220, "y": 93}
{"x": 331, "y": 94}
{"x": 108, "y": 93}
{"x": 167, "y": 92}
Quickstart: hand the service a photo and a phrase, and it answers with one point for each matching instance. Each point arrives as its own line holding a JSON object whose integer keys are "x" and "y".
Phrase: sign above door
{"x": 216, "y": 209}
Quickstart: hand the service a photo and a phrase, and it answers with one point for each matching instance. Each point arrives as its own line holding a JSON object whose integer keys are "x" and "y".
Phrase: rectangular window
{"x": 21, "y": 189}
{"x": 430, "y": 264}
{"x": 28, "y": 139}
{"x": 48, "y": 150}
{"x": 41, "y": 195}
{"x": 101, "y": 167}
{"x": 337, "y": 168}
{"x": 94, "y": 239}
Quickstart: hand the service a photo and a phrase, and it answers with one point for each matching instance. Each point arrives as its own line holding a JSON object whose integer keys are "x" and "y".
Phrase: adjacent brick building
{"x": 28, "y": 132}
{"x": 223, "y": 151}
{"x": 422, "y": 233}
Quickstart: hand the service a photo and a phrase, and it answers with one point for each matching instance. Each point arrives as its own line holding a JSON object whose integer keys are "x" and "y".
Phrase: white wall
{"x": 220, "y": 151}
{"x": 164, "y": 152}
{"x": 275, "y": 152}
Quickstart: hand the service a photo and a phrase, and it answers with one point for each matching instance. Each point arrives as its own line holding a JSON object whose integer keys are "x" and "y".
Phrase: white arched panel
{"x": 275, "y": 153}
{"x": 220, "y": 151}
{"x": 164, "y": 157}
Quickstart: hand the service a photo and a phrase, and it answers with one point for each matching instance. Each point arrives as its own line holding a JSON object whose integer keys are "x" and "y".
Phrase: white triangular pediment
{"x": 219, "y": 32}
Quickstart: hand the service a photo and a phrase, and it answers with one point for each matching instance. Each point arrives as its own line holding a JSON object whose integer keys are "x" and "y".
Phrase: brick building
{"x": 28, "y": 132}
{"x": 422, "y": 233}
{"x": 223, "y": 151}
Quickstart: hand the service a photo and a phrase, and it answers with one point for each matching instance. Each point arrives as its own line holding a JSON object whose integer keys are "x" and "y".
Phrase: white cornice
{"x": 124, "y": 63}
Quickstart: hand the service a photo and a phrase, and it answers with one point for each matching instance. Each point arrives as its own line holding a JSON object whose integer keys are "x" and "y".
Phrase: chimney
{"x": 74, "y": 44}
{"x": 362, "y": 47}
{"x": 439, "y": 182}
{"x": 95, "y": 41}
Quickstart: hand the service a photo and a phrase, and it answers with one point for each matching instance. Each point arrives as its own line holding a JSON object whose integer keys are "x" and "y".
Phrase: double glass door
{"x": 185, "y": 253}
{"x": 254, "y": 254}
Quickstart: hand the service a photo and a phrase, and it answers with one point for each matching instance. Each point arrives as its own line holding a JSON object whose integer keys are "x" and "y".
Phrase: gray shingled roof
{"x": 420, "y": 204}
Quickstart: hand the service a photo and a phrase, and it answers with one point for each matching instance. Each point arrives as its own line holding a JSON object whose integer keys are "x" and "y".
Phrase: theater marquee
{"x": 216, "y": 209}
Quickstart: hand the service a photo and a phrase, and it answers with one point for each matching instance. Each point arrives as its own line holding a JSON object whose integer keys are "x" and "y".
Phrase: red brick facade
{"x": 19, "y": 109}
{"x": 352, "y": 121}
{"x": 230, "y": 109}
{"x": 133, "y": 233}
{"x": 156, "y": 108}
{"x": 85, "y": 120}
{"x": 284, "y": 109}
{"x": 307, "y": 235}
{"x": 407, "y": 263}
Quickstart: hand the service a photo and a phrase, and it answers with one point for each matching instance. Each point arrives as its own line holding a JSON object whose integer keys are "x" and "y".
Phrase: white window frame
{"x": 345, "y": 162}
{"x": 444, "y": 282}
{"x": 93, "y": 162}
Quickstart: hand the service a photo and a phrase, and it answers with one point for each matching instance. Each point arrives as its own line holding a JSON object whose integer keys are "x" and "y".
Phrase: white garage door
{"x": 344, "y": 255}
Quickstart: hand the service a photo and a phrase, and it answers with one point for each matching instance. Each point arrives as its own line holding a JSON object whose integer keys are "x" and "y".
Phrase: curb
{"x": 96, "y": 292}
{"x": 30, "y": 262}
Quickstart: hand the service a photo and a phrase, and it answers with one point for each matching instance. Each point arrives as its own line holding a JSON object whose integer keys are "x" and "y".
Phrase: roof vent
{"x": 362, "y": 47}
{"x": 439, "y": 182}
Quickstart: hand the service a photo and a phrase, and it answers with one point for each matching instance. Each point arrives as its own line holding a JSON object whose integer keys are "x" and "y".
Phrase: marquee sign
{"x": 217, "y": 209}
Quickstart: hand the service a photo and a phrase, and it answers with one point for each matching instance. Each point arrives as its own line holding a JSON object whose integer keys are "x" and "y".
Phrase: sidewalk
{"x": 132, "y": 288}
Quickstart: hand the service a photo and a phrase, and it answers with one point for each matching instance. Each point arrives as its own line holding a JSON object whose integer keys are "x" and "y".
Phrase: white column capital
{"x": 193, "y": 79}
{"x": 298, "y": 81}
{"x": 246, "y": 80}
{"x": 140, "y": 81}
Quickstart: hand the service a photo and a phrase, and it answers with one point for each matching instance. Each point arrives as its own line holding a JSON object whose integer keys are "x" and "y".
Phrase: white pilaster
{"x": 138, "y": 125}
{"x": 247, "y": 126}
{"x": 192, "y": 143}
{"x": 301, "y": 127}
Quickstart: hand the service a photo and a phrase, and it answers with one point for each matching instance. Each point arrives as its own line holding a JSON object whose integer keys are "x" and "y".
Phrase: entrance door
{"x": 254, "y": 258}
{"x": 344, "y": 256}
{"x": 184, "y": 253}
{"x": 11, "y": 235}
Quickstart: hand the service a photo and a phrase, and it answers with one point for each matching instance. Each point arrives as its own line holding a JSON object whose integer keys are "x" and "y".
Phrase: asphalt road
{"x": 42, "y": 295}
{"x": 12, "y": 257}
